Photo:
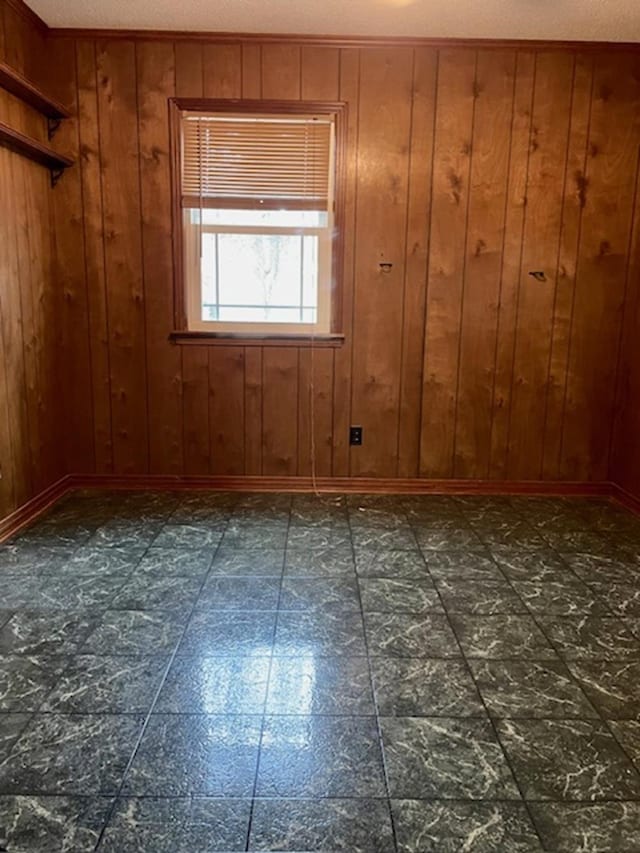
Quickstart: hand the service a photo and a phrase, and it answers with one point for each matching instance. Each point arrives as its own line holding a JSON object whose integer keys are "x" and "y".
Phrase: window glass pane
{"x": 259, "y": 278}
{"x": 274, "y": 218}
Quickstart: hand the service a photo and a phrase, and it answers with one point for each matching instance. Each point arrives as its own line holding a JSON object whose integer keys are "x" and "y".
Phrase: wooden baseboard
{"x": 628, "y": 500}
{"x": 354, "y": 485}
{"x": 33, "y": 509}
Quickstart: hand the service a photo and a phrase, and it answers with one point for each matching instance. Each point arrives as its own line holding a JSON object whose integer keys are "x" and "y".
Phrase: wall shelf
{"x": 12, "y": 81}
{"x": 34, "y": 150}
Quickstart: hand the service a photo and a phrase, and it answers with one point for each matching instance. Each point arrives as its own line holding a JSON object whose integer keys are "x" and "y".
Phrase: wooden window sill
{"x": 224, "y": 339}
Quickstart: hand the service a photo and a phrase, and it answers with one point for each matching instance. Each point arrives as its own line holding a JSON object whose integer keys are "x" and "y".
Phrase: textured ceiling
{"x": 588, "y": 20}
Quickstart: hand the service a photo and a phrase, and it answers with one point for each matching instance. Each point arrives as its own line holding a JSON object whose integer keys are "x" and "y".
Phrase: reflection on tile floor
{"x": 203, "y": 672}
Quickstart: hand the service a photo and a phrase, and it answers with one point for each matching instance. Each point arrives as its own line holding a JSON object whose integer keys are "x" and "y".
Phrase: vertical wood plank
{"x": 251, "y": 70}
{"x": 417, "y": 247}
{"x": 384, "y": 122}
{"x": 485, "y": 231}
{"x": 545, "y": 189}
{"x": 73, "y": 345}
{"x": 93, "y": 233}
{"x": 156, "y": 83}
{"x": 605, "y": 236}
{"x": 343, "y": 357}
{"x": 320, "y": 69}
{"x": 253, "y": 411}
{"x": 117, "y": 106}
{"x": 281, "y": 71}
{"x": 574, "y": 199}
{"x": 226, "y": 409}
{"x": 452, "y": 157}
{"x": 195, "y": 360}
{"x": 511, "y": 263}
{"x": 279, "y": 411}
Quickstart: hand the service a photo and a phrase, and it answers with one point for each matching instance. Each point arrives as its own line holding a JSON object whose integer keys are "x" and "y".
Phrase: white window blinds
{"x": 256, "y": 161}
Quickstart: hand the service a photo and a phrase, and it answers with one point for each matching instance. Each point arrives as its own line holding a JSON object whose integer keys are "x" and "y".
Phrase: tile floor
{"x": 214, "y": 672}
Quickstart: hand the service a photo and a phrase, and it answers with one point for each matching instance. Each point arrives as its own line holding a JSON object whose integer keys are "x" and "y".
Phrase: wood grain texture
{"x": 466, "y": 168}
{"x": 30, "y": 368}
{"x": 456, "y": 99}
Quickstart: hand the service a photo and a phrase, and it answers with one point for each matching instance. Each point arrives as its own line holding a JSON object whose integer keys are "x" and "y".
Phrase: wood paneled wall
{"x": 625, "y": 464}
{"x": 467, "y": 169}
{"x": 29, "y": 458}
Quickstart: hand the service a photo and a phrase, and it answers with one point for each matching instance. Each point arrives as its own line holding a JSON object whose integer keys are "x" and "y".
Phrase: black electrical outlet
{"x": 355, "y": 436}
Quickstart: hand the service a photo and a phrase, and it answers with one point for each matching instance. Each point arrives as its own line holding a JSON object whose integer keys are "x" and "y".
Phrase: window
{"x": 258, "y": 214}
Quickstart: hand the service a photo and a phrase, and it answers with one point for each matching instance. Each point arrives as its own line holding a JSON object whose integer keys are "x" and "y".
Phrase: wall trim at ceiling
{"x": 352, "y": 41}
{"x": 29, "y": 15}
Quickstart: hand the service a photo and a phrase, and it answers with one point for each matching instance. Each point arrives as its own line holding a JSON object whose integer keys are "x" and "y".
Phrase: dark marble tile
{"x": 184, "y": 754}
{"x": 444, "y": 758}
{"x": 22, "y": 590}
{"x": 627, "y": 733}
{"x": 319, "y": 538}
{"x": 240, "y": 593}
{"x": 215, "y": 685}
{"x": 560, "y": 598}
{"x": 388, "y": 563}
{"x": 463, "y": 566}
{"x": 612, "y": 686}
{"x": 359, "y": 826}
{"x": 319, "y": 756}
{"x": 311, "y": 684}
{"x": 5, "y": 615}
{"x": 602, "y": 569}
{"x": 269, "y": 538}
{"x": 516, "y": 534}
{"x": 529, "y": 689}
{"x": 441, "y": 827}
{"x": 582, "y": 828}
{"x": 135, "y": 632}
{"x": 384, "y": 539}
{"x": 48, "y": 824}
{"x": 45, "y": 633}
{"x": 322, "y": 633}
{"x": 11, "y": 727}
{"x": 591, "y": 637}
{"x": 189, "y": 536}
{"x": 256, "y": 563}
{"x": 14, "y": 555}
{"x": 419, "y": 687}
{"x": 568, "y": 760}
{"x": 119, "y": 533}
{"x": 327, "y": 562}
{"x": 410, "y": 635}
{"x": 225, "y": 632}
{"x": 455, "y": 539}
{"x": 70, "y": 754}
{"x": 169, "y": 592}
{"x": 336, "y": 594}
{"x": 184, "y": 562}
{"x": 111, "y": 685}
{"x": 201, "y": 510}
{"x": 177, "y": 825}
{"x": 479, "y": 596}
{"x": 399, "y": 595}
{"x": 577, "y": 542}
{"x": 99, "y": 560}
{"x": 513, "y": 637}
{"x": 81, "y": 592}
{"x": 540, "y": 566}
{"x": 622, "y": 599}
{"x": 25, "y": 680}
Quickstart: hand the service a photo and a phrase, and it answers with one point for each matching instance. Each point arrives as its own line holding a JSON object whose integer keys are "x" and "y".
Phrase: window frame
{"x": 182, "y": 333}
